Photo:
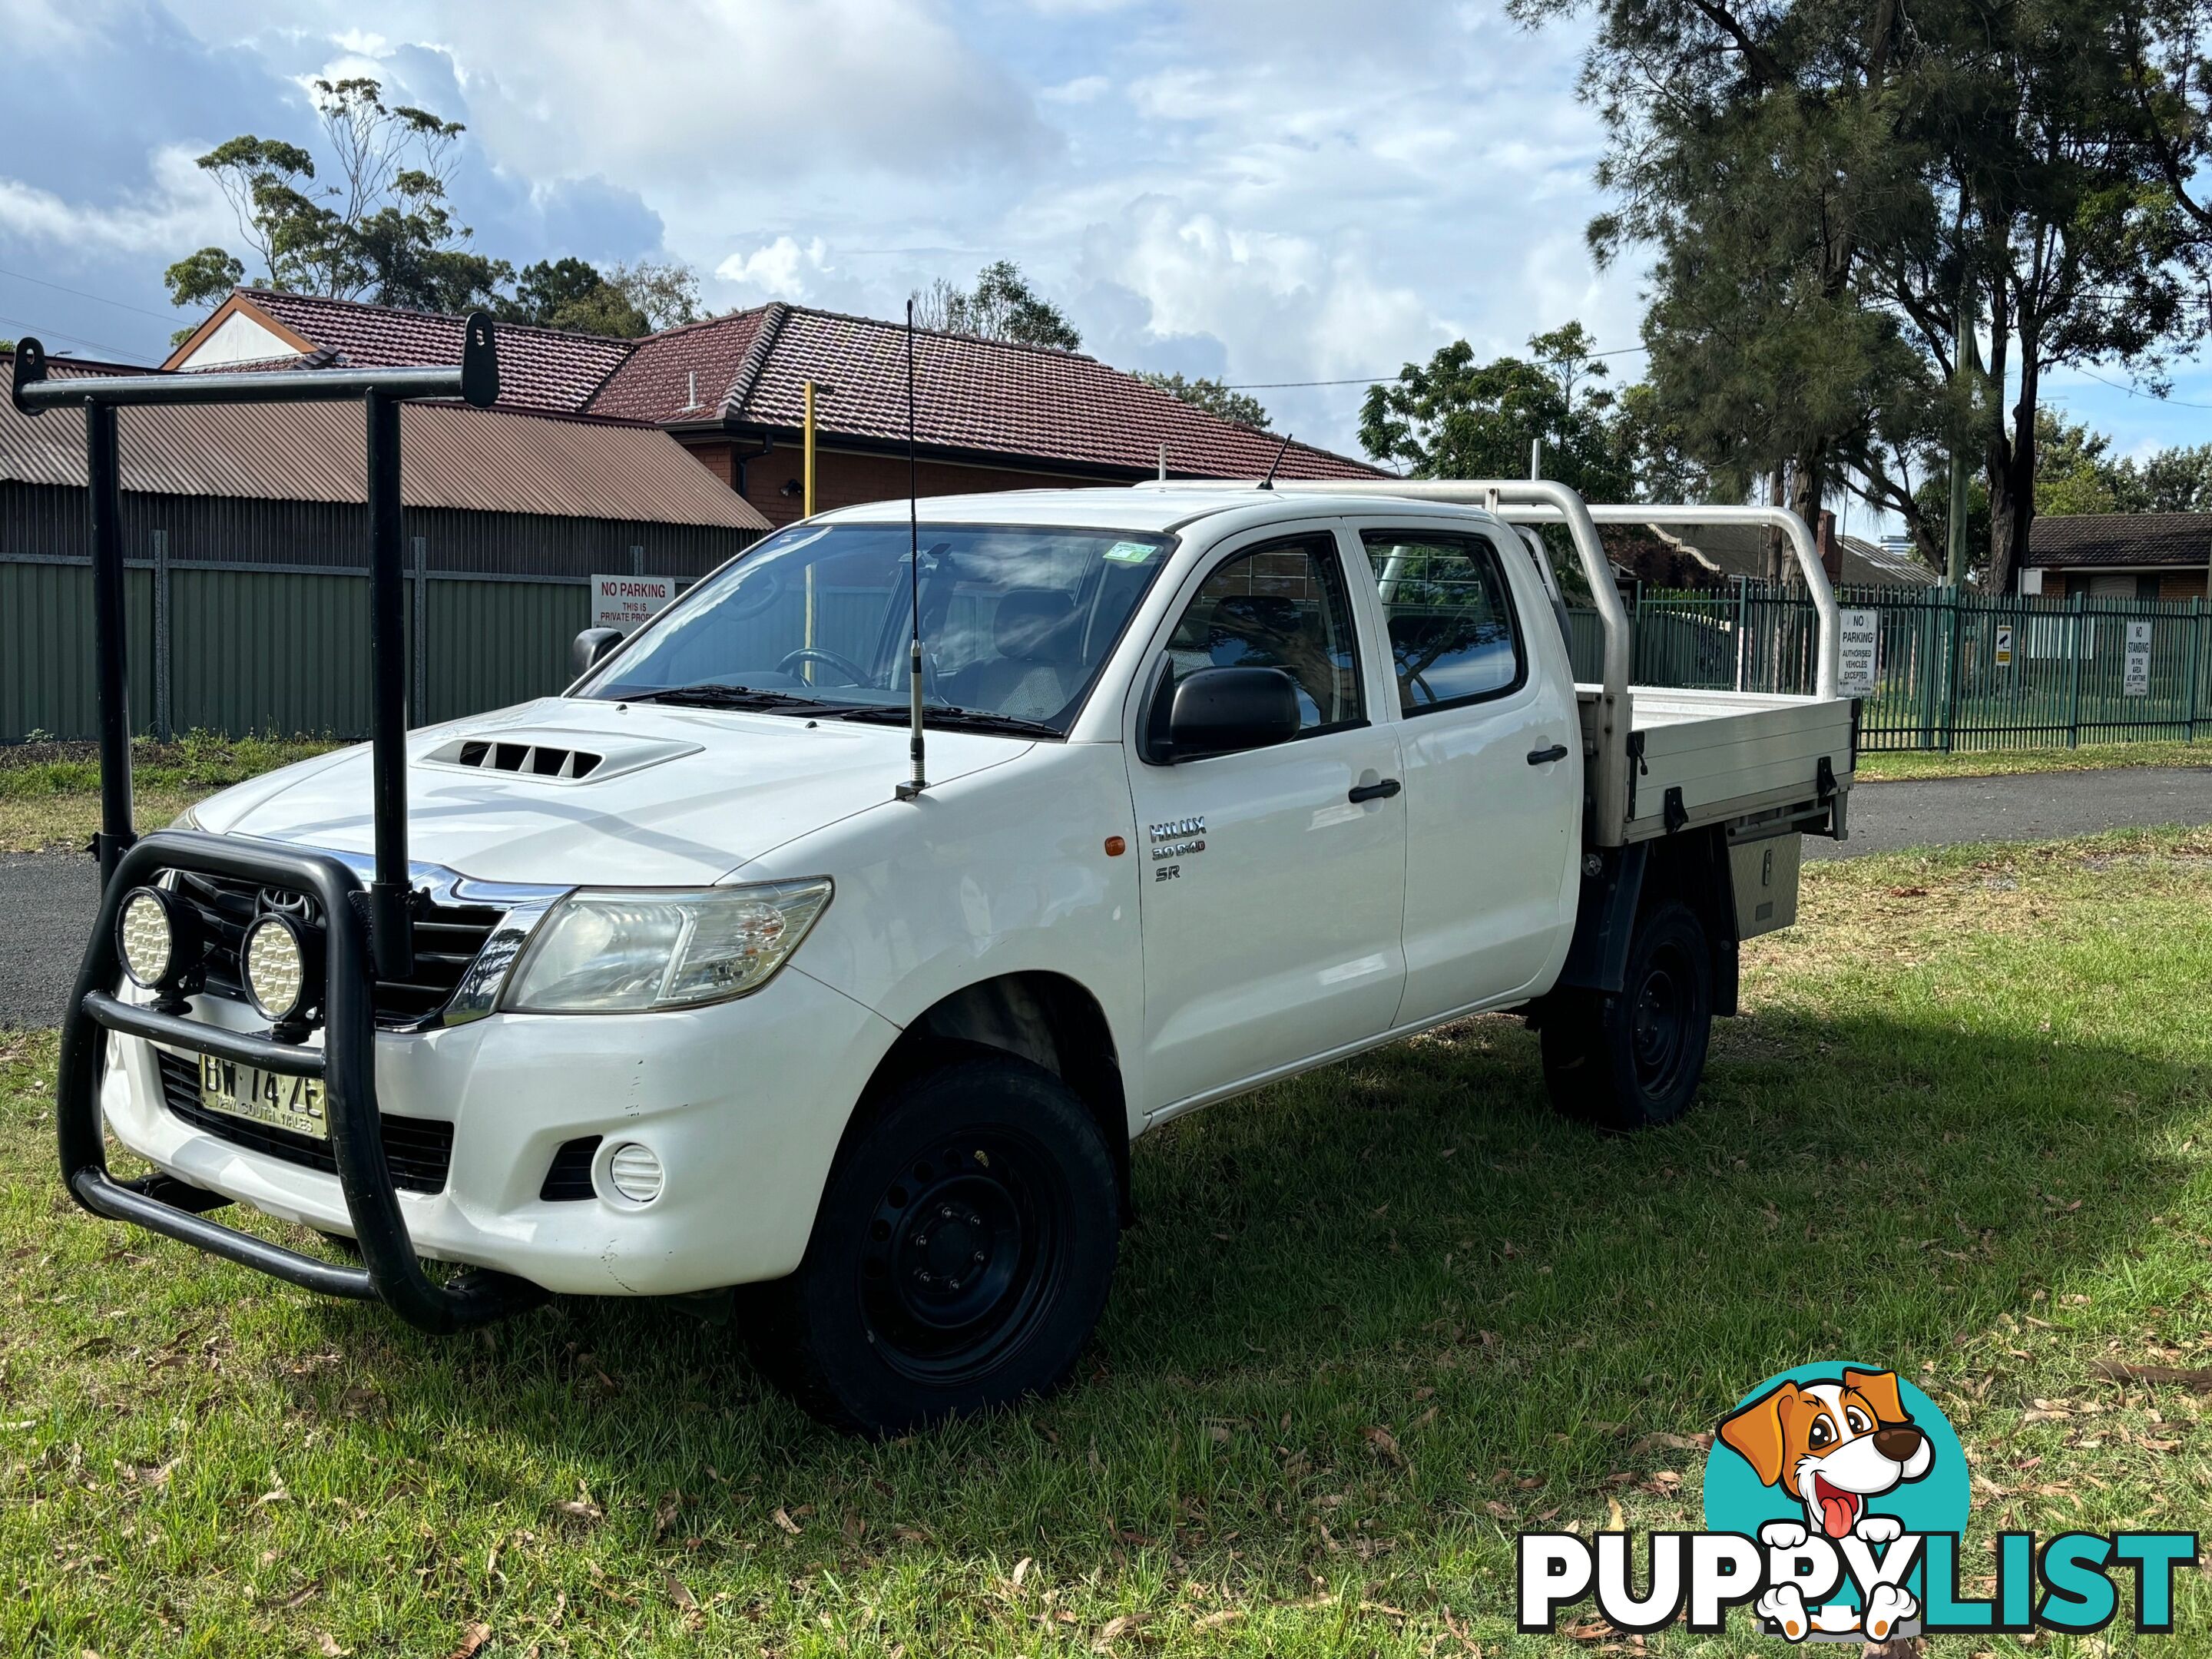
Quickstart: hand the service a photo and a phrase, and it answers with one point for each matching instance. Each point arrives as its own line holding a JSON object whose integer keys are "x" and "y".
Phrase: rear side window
{"x": 1453, "y": 636}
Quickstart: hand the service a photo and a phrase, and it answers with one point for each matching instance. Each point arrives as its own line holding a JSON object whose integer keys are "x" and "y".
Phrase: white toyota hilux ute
{"x": 1221, "y": 784}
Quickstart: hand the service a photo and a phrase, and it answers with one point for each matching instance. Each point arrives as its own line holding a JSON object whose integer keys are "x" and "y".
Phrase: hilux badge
{"x": 1177, "y": 837}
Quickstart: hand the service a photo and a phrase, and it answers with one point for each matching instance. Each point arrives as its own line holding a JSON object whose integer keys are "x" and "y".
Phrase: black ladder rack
{"x": 370, "y": 935}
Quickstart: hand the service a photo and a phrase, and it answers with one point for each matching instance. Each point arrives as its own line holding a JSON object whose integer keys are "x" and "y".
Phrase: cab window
{"x": 1281, "y": 606}
{"x": 1453, "y": 636}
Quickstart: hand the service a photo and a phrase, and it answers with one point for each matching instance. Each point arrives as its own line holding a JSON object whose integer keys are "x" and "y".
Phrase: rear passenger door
{"x": 1492, "y": 755}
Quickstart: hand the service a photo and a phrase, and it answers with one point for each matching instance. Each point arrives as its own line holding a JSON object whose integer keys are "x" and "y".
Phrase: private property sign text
{"x": 628, "y": 602}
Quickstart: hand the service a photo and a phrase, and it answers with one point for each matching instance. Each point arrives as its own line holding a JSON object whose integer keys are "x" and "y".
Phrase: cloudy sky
{"x": 1263, "y": 191}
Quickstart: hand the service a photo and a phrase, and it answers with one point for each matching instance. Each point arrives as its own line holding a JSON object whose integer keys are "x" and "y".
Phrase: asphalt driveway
{"x": 46, "y": 905}
{"x": 2032, "y": 806}
{"x": 47, "y": 899}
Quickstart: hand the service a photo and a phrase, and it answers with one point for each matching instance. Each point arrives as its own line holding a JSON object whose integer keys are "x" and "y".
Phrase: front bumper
{"x": 743, "y": 1102}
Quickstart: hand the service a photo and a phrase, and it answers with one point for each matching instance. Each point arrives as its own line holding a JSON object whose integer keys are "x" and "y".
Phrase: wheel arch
{"x": 1631, "y": 883}
{"x": 1050, "y": 1020}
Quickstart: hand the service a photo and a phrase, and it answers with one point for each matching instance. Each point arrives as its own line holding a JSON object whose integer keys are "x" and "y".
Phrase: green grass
{"x": 1891, "y": 766}
{"x": 50, "y": 792}
{"x": 1371, "y": 1322}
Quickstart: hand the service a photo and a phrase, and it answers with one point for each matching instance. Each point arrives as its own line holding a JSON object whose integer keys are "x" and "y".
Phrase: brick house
{"x": 2119, "y": 555}
{"x": 988, "y": 415}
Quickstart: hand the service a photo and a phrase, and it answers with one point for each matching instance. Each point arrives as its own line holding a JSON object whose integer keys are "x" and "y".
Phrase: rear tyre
{"x": 1633, "y": 1060}
{"x": 960, "y": 1260}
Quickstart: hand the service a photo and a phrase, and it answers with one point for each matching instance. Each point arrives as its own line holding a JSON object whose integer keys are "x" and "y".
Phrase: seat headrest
{"x": 1029, "y": 620}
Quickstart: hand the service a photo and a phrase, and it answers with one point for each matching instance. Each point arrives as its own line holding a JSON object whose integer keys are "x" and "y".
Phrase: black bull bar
{"x": 346, "y": 1065}
{"x": 368, "y": 930}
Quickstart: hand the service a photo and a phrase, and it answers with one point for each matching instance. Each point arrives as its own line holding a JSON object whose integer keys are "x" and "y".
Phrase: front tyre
{"x": 1633, "y": 1060}
{"x": 961, "y": 1257}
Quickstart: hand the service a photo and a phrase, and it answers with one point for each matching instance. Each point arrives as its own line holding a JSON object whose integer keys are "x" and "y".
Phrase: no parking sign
{"x": 2135, "y": 678}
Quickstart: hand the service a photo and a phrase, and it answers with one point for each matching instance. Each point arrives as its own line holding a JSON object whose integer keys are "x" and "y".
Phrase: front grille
{"x": 568, "y": 1177}
{"x": 447, "y": 938}
{"x": 419, "y": 1150}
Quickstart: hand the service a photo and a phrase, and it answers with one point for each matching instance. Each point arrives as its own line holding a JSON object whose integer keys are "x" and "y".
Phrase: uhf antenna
{"x": 912, "y": 789}
{"x": 1268, "y": 482}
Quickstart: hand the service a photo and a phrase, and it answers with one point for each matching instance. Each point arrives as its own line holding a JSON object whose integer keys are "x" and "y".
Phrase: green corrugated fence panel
{"x": 278, "y": 652}
{"x": 495, "y": 643}
{"x": 46, "y": 650}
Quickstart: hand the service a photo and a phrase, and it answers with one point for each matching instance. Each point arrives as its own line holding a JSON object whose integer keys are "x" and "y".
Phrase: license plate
{"x": 266, "y": 1097}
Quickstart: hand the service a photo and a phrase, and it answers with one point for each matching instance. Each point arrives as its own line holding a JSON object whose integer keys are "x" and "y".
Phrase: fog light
{"x": 634, "y": 1172}
{"x": 146, "y": 938}
{"x": 275, "y": 958}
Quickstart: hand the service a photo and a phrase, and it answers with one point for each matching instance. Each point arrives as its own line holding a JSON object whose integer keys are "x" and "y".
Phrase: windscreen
{"x": 1016, "y": 622}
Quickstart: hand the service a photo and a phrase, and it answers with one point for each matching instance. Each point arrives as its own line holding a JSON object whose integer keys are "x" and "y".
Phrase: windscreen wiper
{"x": 963, "y": 720}
{"x": 710, "y": 695}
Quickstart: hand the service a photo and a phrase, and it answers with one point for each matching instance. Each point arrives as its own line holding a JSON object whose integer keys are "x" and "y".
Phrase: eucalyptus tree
{"x": 1838, "y": 197}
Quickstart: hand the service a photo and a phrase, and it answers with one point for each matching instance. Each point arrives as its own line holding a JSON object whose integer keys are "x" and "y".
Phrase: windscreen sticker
{"x": 1130, "y": 552}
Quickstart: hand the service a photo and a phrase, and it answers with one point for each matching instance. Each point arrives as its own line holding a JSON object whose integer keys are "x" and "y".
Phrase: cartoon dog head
{"x": 1832, "y": 1445}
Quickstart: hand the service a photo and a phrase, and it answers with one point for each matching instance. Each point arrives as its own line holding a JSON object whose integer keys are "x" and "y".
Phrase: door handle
{"x": 1557, "y": 751}
{"x": 1382, "y": 791}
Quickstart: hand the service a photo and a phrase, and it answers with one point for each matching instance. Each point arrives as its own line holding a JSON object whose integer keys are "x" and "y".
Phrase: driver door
{"x": 1273, "y": 893}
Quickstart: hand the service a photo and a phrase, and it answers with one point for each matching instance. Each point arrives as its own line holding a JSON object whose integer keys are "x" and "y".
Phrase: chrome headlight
{"x": 607, "y": 951}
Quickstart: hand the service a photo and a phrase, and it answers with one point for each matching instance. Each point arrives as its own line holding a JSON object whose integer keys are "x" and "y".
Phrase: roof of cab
{"x": 1150, "y": 509}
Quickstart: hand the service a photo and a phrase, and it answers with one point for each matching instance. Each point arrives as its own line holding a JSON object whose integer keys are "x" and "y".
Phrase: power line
{"x": 121, "y": 354}
{"x": 2177, "y": 403}
{"x": 1384, "y": 379}
{"x": 100, "y": 299}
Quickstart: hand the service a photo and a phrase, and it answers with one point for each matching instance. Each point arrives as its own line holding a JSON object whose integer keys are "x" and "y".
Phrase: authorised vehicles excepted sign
{"x": 629, "y": 602}
{"x": 2135, "y": 678}
{"x": 1858, "y": 666}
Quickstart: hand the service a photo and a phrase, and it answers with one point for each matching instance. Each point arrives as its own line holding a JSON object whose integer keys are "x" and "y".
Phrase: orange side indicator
{"x": 1115, "y": 847}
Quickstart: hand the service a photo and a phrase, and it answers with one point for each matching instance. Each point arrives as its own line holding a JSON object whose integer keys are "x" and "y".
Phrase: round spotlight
{"x": 146, "y": 937}
{"x": 275, "y": 958}
{"x": 634, "y": 1172}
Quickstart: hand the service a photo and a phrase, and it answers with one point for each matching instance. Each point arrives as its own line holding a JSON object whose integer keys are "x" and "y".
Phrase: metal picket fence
{"x": 1952, "y": 670}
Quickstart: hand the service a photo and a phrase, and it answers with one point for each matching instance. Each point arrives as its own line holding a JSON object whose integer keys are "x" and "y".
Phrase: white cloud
{"x": 1257, "y": 189}
{"x": 182, "y": 209}
{"x": 783, "y": 268}
{"x": 1084, "y": 89}
{"x": 719, "y": 89}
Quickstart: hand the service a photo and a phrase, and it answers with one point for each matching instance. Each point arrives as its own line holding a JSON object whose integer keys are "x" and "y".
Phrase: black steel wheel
{"x": 961, "y": 1257}
{"x": 1633, "y": 1060}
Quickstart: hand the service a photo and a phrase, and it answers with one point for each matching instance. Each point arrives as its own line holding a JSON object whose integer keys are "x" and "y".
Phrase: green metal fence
{"x": 236, "y": 649}
{"x": 1952, "y": 670}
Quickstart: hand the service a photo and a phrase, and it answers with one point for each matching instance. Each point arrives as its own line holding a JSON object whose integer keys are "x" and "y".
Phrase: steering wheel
{"x": 853, "y": 673}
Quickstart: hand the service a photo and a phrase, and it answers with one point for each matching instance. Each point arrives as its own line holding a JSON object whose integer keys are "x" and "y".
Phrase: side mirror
{"x": 593, "y": 646}
{"x": 1220, "y": 711}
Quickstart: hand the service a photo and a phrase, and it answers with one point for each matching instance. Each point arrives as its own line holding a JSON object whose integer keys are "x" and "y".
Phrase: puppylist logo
{"x": 1836, "y": 1496}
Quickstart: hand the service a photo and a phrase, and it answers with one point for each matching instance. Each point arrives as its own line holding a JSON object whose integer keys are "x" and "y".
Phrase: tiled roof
{"x": 683, "y": 375}
{"x": 539, "y": 368}
{"x": 477, "y": 460}
{"x": 984, "y": 396}
{"x": 2121, "y": 538}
